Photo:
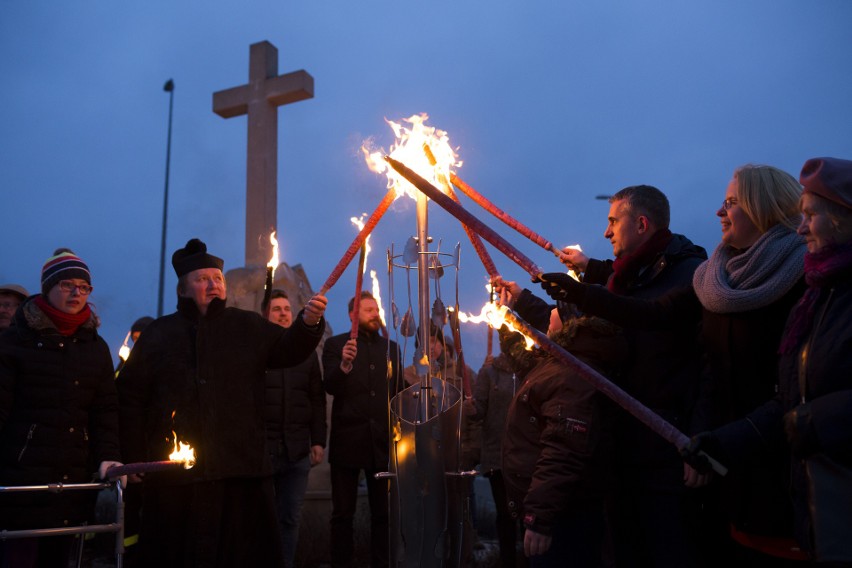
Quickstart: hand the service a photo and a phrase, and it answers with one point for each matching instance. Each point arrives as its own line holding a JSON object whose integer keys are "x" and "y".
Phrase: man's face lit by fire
{"x": 369, "y": 319}
{"x": 280, "y": 312}
{"x": 203, "y": 285}
{"x": 625, "y": 229}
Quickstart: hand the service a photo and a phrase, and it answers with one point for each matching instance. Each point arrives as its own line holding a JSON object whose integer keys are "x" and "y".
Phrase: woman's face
{"x": 816, "y": 226}
{"x": 737, "y": 229}
{"x": 66, "y": 296}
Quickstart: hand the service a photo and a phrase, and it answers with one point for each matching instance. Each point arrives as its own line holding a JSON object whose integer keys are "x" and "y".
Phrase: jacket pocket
{"x": 27, "y": 441}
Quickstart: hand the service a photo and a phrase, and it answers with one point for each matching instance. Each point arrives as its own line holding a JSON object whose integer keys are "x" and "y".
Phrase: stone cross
{"x": 260, "y": 99}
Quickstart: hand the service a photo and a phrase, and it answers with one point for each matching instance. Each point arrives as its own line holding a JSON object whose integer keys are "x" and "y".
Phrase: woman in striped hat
{"x": 58, "y": 411}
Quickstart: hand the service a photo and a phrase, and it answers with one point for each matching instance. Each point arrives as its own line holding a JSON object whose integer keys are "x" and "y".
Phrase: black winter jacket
{"x": 295, "y": 409}
{"x": 663, "y": 367}
{"x": 495, "y": 387}
{"x": 359, "y": 412}
{"x": 826, "y": 412}
{"x": 58, "y": 417}
{"x": 204, "y": 378}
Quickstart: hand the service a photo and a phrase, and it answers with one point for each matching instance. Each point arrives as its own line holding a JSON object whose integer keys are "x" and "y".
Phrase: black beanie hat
{"x": 194, "y": 257}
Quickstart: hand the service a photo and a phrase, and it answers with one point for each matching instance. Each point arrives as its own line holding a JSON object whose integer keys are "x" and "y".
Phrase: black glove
{"x": 800, "y": 431}
{"x": 561, "y": 287}
{"x": 704, "y": 442}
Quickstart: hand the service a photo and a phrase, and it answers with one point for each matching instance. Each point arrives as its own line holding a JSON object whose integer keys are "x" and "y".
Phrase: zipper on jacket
{"x": 27, "y": 443}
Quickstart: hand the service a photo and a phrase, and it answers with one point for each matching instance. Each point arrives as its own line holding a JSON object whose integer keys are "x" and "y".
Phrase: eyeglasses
{"x": 728, "y": 203}
{"x": 68, "y": 286}
{"x": 9, "y": 305}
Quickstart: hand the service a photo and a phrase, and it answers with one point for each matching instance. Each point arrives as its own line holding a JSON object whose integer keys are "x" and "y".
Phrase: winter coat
{"x": 741, "y": 350}
{"x": 826, "y": 413}
{"x": 58, "y": 417}
{"x": 295, "y": 409}
{"x": 663, "y": 367}
{"x": 496, "y": 385}
{"x": 359, "y": 412}
{"x": 203, "y": 377}
{"x": 557, "y": 444}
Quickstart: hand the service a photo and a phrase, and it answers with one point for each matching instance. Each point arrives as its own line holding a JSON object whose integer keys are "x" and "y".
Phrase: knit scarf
{"x": 731, "y": 282}
{"x": 820, "y": 269}
{"x": 66, "y": 324}
{"x": 626, "y": 267}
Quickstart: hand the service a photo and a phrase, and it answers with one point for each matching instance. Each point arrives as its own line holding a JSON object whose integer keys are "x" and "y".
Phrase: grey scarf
{"x": 732, "y": 283}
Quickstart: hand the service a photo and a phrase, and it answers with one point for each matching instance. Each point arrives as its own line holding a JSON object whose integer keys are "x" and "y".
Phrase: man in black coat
{"x": 362, "y": 375}
{"x": 198, "y": 376}
{"x": 662, "y": 371}
{"x": 296, "y": 428}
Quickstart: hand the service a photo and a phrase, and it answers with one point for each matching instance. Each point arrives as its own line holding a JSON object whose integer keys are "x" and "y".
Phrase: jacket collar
{"x": 189, "y": 309}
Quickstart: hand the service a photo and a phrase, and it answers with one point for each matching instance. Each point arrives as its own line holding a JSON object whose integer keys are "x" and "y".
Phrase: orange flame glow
{"x": 408, "y": 149}
{"x": 182, "y": 453}
{"x": 124, "y": 350}
{"x": 273, "y": 261}
{"x": 495, "y": 316}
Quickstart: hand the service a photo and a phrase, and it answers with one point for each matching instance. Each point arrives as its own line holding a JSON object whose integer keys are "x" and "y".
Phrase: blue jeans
{"x": 291, "y": 481}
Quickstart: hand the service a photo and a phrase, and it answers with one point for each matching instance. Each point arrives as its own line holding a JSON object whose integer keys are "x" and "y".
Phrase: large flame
{"x": 408, "y": 149}
{"x": 273, "y": 261}
{"x": 495, "y": 316}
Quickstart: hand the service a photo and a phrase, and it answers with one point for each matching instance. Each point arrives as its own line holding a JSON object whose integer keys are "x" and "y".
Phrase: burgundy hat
{"x": 830, "y": 178}
{"x": 194, "y": 257}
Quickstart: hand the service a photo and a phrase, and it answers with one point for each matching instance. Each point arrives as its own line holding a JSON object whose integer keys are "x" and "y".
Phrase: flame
{"x": 359, "y": 222}
{"x": 408, "y": 149}
{"x": 273, "y": 262}
{"x": 573, "y": 273}
{"x": 377, "y": 294}
{"x": 495, "y": 316}
{"x": 124, "y": 350}
{"x": 182, "y": 452}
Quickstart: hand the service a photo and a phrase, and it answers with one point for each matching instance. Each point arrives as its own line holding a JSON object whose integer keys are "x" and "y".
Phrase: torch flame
{"x": 124, "y": 350}
{"x": 573, "y": 273}
{"x": 273, "y": 262}
{"x": 182, "y": 453}
{"x": 408, "y": 149}
{"x": 495, "y": 316}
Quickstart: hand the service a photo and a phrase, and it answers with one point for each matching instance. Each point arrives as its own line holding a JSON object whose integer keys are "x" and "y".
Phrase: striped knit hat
{"x": 63, "y": 265}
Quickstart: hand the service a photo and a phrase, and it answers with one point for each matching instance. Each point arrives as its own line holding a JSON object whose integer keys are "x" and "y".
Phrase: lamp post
{"x": 169, "y": 87}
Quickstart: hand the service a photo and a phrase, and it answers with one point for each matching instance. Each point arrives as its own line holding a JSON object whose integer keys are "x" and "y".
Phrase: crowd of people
{"x": 746, "y": 350}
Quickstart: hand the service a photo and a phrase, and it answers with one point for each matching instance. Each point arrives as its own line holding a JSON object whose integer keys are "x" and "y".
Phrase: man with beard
{"x": 362, "y": 374}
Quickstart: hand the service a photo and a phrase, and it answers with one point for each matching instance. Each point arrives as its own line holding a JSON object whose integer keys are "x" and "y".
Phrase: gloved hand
{"x": 800, "y": 431}
{"x": 692, "y": 454}
{"x": 561, "y": 287}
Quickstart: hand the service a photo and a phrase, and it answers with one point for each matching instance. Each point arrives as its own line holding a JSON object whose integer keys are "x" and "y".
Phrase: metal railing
{"x": 116, "y": 527}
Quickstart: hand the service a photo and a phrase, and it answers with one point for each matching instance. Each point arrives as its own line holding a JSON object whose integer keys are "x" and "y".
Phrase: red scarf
{"x": 67, "y": 324}
{"x": 626, "y": 267}
{"x": 820, "y": 269}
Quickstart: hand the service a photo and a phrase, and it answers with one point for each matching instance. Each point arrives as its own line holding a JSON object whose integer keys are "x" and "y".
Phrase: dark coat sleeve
{"x": 597, "y": 271}
{"x": 294, "y": 344}
{"x": 534, "y": 310}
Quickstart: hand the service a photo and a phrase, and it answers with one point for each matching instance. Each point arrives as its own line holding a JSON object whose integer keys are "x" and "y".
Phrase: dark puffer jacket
{"x": 557, "y": 444}
{"x": 58, "y": 417}
{"x": 204, "y": 378}
{"x": 295, "y": 409}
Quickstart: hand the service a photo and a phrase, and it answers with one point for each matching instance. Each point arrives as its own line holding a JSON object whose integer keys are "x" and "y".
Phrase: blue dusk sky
{"x": 549, "y": 104}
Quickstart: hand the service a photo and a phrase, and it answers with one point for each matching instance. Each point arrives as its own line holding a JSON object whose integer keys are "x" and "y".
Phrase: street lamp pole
{"x": 169, "y": 87}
